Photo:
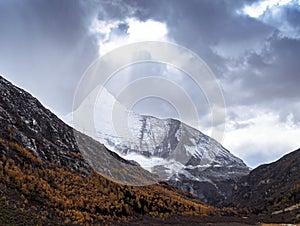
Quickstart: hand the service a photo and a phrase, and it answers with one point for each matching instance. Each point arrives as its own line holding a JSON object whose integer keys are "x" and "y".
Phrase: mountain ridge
{"x": 272, "y": 190}
{"x": 46, "y": 180}
{"x": 45, "y": 175}
{"x": 173, "y": 150}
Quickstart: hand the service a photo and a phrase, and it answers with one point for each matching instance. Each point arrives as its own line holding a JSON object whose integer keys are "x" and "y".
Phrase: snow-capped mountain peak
{"x": 166, "y": 147}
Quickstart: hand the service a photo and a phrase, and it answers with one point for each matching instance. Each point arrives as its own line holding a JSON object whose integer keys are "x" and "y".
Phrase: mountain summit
{"x": 168, "y": 148}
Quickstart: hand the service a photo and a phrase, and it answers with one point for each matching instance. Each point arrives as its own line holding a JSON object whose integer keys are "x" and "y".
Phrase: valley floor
{"x": 191, "y": 220}
{"x": 194, "y": 220}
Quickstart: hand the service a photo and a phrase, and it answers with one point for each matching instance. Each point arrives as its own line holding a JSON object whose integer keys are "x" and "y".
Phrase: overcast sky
{"x": 252, "y": 47}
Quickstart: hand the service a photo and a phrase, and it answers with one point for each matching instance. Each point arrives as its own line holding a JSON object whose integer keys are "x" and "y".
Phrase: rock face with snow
{"x": 182, "y": 155}
{"x": 169, "y": 148}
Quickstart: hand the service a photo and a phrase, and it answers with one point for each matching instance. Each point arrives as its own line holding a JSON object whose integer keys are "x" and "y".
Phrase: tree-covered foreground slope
{"x": 52, "y": 192}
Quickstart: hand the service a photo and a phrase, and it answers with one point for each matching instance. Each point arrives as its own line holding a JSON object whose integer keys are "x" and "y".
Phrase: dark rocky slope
{"x": 272, "y": 190}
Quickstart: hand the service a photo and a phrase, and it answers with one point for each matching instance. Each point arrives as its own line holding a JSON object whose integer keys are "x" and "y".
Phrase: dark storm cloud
{"x": 45, "y": 46}
{"x": 282, "y": 76}
{"x": 50, "y": 44}
{"x": 293, "y": 17}
{"x": 203, "y": 25}
{"x": 217, "y": 33}
{"x": 55, "y": 34}
{"x": 269, "y": 77}
{"x": 256, "y": 65}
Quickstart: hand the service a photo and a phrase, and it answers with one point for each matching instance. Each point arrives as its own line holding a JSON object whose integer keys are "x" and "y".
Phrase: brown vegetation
{"x": 56, "y": 192}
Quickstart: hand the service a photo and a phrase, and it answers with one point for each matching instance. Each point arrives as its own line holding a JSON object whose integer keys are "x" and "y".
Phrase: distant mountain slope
{"x": 44, "y": 177}
{"x": 169, "y": 148}
{"x": 272, "y": 189}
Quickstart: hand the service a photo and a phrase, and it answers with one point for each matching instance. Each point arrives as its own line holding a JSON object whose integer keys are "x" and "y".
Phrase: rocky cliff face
{"x": 24, "y": 119}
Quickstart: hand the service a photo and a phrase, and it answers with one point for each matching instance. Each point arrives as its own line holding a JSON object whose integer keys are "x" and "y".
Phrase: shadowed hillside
{"x": 272, "y": 190}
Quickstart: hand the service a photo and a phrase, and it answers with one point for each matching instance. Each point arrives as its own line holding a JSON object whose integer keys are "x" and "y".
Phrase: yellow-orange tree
{"x": 76, "y": 197}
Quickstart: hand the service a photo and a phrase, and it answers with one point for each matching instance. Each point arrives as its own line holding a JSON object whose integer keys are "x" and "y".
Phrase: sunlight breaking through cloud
{"x": 113, "y": 34}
